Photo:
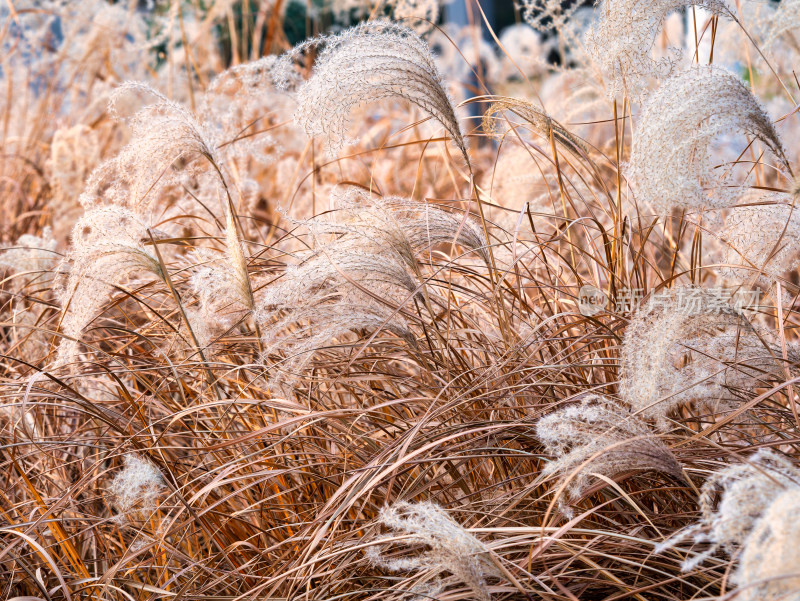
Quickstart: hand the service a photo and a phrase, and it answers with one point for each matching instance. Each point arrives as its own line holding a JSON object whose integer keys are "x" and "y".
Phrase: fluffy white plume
{"x": 450, "y": 547}
{"x": 670, "y": 160}
{"x": 372, "y": 61}
{"x": 621, "y": 42}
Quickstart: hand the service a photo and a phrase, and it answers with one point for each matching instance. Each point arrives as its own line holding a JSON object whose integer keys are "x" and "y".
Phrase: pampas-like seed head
{"x": 135, "y": 490}
{"x": 762, "y": 242}
{"x": 669, "y": 165}
{"x": 598, "y": 437}
{"x": 689, "y": 345}
{"x": 372, "y": 61}
{"x": 621, "y": 42}
{"x": 745, "y": 516}
{"x": 107, "y": 248}
{"x": 537, "y": 118}
{"x": 163, "y": 132}
{"x": 361, "y": 275}
{"x": 450, "y": 547}
{"x": 411, "y": 227}
{"x": 32, "y": 258}
{"x": 420, "y": 15}
{"x": 769, "y": 568}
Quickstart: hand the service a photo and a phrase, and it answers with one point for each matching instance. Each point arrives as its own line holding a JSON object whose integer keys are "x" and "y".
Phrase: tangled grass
{"x": 311, "y": 322}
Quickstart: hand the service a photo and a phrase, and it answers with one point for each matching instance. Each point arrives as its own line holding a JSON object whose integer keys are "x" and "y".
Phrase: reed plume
{"x": 762, "y": 241}
{"x": 419, "y": 15}
{"x": 32, "y": 259}
{"x": 621, "y": 42}
{"x": 753, "y": 515}
{"x": 135, "y": 490}
{"x": 163, "y": 131}
{"x": 450, "y": 547}
{"x": 598, "y": 437}
{"x": 362, "y": 275}
{"x": 373, "y": 61}
{"x": 691, "y": 345}
{"x": 769, "y": 568}
{"x": 670, "y": 159}
{"x": 537, "y": 118}
{"x": 107, "y": 249}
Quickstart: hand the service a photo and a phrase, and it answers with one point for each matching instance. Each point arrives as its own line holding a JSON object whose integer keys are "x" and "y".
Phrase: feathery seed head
{"x": 747, "y": 516}
{"x": 107, "y": 248}
{"x": 621, "y": 42}
{"x": 451, "y": 548}
{"x": 163, "y": 134}
{"x": 762, "y": 241}
{"x": 419, "y": 15}
{"x": 598, "y": 437}
{"x": 548, "y": 15}
{"x": 361, "y": 275}
{"x": 526, "y": 47}
{"x": 769, "y": 568}
{"x": 405, "y": 224}
{"x": 135, "y": 490}
{"x": 32, "y": 257}
{"x": 689, "y": 345}
{"x": 373, "y": 61}
{"x": 670, "y": 159}
{"x": 537, "y": 118}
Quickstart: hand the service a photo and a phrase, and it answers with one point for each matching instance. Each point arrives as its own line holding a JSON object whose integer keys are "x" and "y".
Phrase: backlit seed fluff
{"x": 408, "y": 226}
{"x": 769, "y": 568}
{"x": 538, "y": 120}
{"x": 419, "y": 15}
{"x": 670, "y": 166}
{"x": 164, "y": 132}
{"x": 373, "y": 61}
{"x": 689, "y": 345}
{"x": 621, "y": 42}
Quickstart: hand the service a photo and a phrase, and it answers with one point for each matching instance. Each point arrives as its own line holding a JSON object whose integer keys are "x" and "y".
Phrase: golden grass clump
{"x": 280, "y": 319}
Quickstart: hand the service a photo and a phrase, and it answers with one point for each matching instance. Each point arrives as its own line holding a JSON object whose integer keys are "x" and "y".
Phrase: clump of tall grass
{"x": 265, "y": 366}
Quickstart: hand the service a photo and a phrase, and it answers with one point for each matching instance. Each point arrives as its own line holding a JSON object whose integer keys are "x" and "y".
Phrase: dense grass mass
{"x": 337, "y": 300}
